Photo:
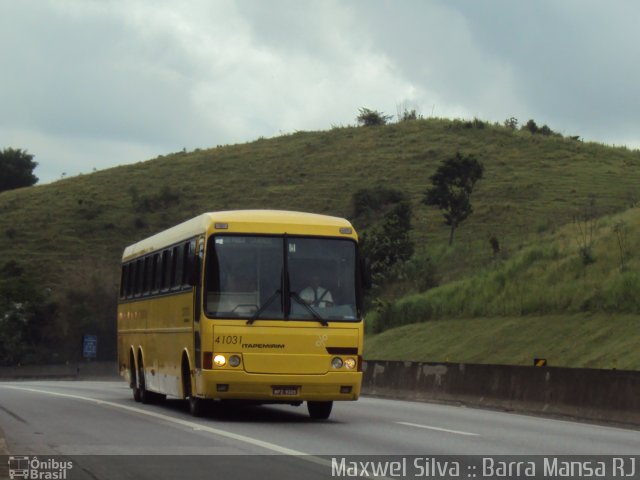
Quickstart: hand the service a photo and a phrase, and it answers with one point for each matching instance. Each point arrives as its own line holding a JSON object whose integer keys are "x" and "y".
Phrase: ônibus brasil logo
{"x": 36, "y": 469}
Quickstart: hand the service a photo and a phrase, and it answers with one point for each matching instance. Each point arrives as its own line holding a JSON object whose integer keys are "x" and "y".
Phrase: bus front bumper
{"x": 238, "y": 384}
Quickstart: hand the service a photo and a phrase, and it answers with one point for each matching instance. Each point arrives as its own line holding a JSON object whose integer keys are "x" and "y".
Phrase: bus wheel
{"x": 145, "y": 395}
{"x": 197, "y": 406}
{"x": 136, "y": 394}
{"x": 319, "y": 410}
{"x": 133, "y": 380}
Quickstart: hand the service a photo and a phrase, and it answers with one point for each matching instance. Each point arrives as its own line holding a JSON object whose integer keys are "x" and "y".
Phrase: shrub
{"x": 531, "y": 126}
{"x": 369, "y": 202}
{"x": 420, "y": 272}
{"x": 408, "y": 115}
{"x": 545, "y": 130}
{"x": 511, "y": 123}
{"x": 371, "y": 118}
{"x": 479, "y": 124}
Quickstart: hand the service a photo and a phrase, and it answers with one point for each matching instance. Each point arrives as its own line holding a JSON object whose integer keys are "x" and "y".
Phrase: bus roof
{"x": 243, "y": 221}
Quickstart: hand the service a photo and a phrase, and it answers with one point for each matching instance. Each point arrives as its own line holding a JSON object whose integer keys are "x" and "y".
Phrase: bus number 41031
{"x": 229, "y": 339}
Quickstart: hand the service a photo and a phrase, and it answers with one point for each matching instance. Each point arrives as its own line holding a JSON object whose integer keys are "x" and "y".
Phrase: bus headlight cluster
{"x": 221, "y": 360}
{"x": 336, "y": 362}
{"x": 348, "y": 363}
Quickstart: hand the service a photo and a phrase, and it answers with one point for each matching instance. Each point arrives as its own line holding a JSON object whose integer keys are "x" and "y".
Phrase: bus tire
{"x": 197, "y": 406}
{"x": 146, "y": 396}
{"x": 133, "y": 378}
{"x": 319, "y": 410}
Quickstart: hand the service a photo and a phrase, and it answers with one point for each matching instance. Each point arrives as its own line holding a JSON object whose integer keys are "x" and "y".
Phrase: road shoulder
{"x": 3, "y": 444}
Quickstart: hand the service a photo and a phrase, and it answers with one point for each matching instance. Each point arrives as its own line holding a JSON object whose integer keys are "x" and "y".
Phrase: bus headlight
{"x": 219, "y": 361}
{"x": 336, "y": 362}
{"x": 234, "y": 360}
{"x": 350, "y": 363}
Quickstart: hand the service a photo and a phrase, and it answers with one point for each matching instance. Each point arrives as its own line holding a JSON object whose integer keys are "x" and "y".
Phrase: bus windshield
{"x": 270, "y": 277}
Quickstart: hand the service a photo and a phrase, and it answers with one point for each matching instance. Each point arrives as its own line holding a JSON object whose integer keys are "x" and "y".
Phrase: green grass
{"x": 531, "y": 183}
{"x": 532, "y": 188}
{"x": 580, "y": 341}
{"x": 546, "y": 277}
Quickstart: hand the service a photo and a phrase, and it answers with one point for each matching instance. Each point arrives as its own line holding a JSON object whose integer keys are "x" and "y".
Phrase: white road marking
{"x": 195, "y": 426}
{"x": 438, "y": 429}
{"x": 185, "y": 423}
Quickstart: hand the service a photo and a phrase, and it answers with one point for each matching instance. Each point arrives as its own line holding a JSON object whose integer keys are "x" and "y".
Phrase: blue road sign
{"x": 90, "y": 346}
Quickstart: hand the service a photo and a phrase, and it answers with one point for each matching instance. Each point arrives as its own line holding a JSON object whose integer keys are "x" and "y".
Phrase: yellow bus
{"x": 257, "y": 305}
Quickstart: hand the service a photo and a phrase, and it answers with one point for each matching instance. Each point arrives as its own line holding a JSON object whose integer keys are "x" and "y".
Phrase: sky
{"x": 91, "y": 84}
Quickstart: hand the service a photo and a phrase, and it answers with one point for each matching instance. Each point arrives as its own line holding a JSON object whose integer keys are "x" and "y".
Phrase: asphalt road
{"x": 85, "y": 419}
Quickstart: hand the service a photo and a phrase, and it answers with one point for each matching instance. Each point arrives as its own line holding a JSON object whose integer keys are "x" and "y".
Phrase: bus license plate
{"x": 285, "y": 391}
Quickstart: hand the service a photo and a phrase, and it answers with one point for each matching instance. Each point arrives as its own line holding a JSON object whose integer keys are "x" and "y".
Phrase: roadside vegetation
{"x": 553, "y": 232}
{"x": 579, "y": 340}
{"x": 552, "y": 276}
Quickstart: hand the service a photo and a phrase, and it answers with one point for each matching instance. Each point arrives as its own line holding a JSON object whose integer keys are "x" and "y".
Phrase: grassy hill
{"x": 70, "y": 233}
{"x": 548, "y": 300}
{"x": 586, "y": 340}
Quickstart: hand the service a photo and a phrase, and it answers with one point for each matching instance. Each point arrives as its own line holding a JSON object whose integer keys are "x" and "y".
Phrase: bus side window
{"x": 139, "y": 276}
{"x": 177, "y": 267}
{"x": 172, "y": 274}
{"x": 123, "y": 281}
{"x": 166, "y": 270}
{"x": 160, "y": 272}
{"x": 172, "y": 268}
{"x": 145, "y": 276}
{"x": 156, "y": 273}
{"x": 189, "y": 253}
{"x": 130, "y": 279}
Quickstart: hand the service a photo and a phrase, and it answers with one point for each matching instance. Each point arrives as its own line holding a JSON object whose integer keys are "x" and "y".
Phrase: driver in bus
{"x": 316, "y": 295}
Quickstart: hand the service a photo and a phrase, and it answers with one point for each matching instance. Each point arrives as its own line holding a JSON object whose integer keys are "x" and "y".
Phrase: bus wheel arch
{"x": 133, "y": 376}
{"x": 145, "y": 395}
{"x": 186, "y": 375}
{"x": 197, "y": 406}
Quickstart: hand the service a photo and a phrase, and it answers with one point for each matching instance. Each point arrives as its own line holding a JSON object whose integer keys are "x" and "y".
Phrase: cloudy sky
{"x": 89, "y": 84}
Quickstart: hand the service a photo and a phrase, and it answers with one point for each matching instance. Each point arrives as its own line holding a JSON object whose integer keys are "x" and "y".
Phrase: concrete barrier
{"x": 82, "y": 370}
{"x": 599, "y": 395}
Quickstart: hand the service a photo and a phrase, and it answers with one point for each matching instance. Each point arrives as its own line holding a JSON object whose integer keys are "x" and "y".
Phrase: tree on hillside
{"x": 383, "y": 216}
{"x": 371, "y": 118}
{"x": 451, "y": 189}
{"x": 16, "y": 169}
{"x": 531, "y": 125}
{"x": 533, "y": 128}
{"x": 371, "y": 204}
{"x": 25, "y": 316}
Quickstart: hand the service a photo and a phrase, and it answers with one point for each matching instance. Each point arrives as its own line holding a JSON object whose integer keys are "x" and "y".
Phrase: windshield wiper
{"x": 313, "y": 312}
{"x": 264, "y": 306}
